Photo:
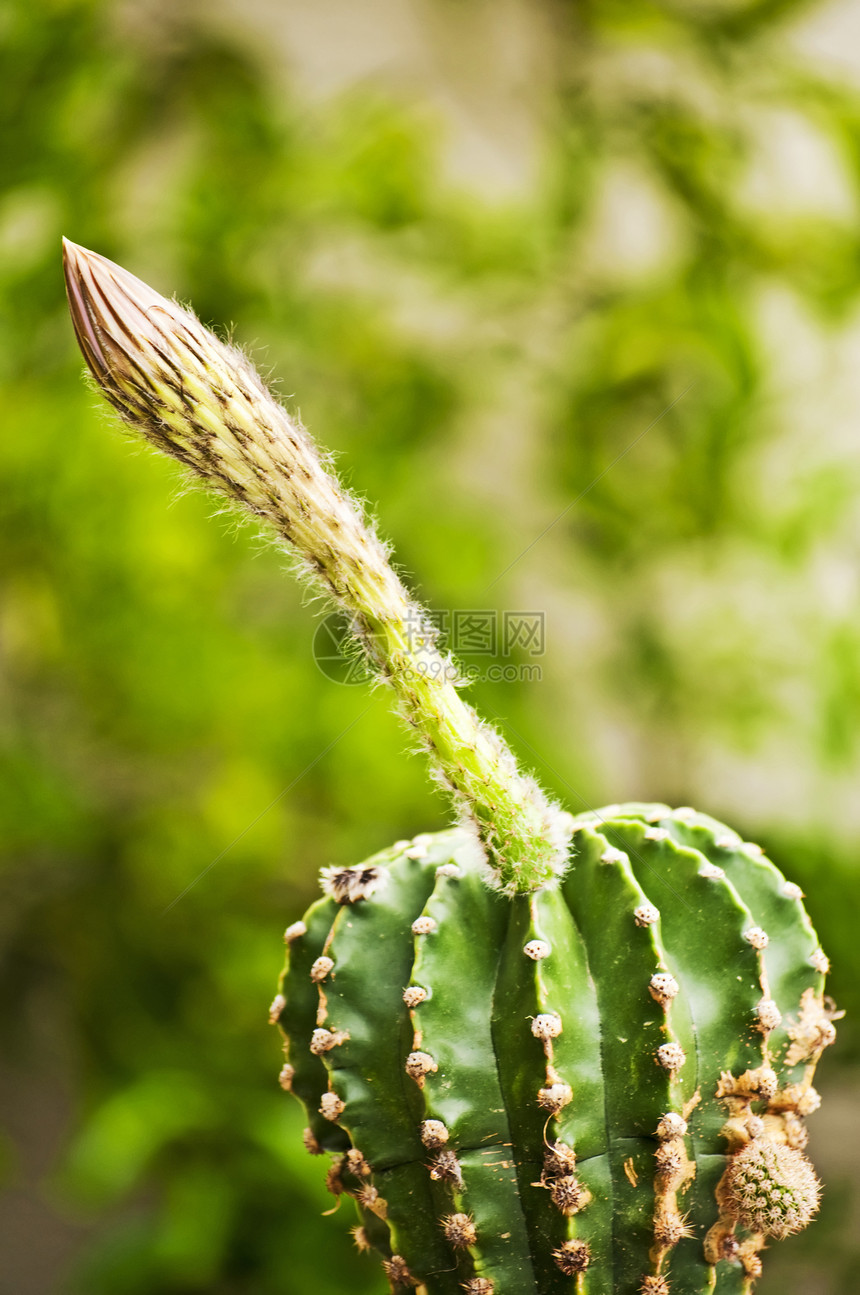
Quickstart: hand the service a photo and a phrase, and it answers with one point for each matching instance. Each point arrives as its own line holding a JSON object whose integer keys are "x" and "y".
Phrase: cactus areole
{"x": 545, "y": 1053}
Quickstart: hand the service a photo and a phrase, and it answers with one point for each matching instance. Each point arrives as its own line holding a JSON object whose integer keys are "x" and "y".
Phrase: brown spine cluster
{"x": 558, "y": 1176}
{"x": 572, "y": 1257}
{"x": 674, "y": 1173}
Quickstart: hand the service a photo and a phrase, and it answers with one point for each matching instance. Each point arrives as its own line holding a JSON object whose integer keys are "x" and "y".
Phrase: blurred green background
{"x": 588, "y": 272}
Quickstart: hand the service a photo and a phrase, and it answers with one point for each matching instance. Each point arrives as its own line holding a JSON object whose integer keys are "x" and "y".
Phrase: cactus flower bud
{"x": 202, "y": 402}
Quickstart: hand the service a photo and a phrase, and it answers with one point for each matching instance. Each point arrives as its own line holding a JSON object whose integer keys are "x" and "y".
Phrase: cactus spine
{"x": 547, "y": 1054}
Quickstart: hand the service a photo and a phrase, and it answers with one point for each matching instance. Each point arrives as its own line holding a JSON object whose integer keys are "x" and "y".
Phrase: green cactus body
{"x": 548, "y": 1054}
{"x": 547, "y": 1091}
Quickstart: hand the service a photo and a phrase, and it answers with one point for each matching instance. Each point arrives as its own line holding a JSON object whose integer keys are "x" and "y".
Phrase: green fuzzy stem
{"x": 552, "y": 1091}
{"x": 201, "y": 402}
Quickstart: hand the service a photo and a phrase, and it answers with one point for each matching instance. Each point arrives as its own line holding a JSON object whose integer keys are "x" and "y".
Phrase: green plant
{"x": 546, "y": 1052}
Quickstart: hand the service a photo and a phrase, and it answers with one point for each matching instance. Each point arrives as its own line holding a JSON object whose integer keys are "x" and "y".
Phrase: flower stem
{"x": 201, "y": 401}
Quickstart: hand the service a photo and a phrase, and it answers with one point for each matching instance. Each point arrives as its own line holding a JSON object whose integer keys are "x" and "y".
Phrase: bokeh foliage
{"x": 618, "y": 349}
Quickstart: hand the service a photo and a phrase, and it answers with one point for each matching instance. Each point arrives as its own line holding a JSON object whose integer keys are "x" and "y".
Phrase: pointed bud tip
{"x": 76, "y": 258}
{"x": 98, "y": 275}
{"x": 85, "y": 331}
{"x": 118, "y": 319}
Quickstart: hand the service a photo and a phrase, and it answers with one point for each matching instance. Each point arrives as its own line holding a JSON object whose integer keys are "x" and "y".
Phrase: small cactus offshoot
{"x": 771, "y": 1188}
{"x": 546, "y": 1054}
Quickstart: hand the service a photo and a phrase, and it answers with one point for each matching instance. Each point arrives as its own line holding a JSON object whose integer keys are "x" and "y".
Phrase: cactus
{"x": 546, "y": 1053}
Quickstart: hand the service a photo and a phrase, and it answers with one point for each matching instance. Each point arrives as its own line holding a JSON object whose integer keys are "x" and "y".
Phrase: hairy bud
{"x": 202, "y": 402}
